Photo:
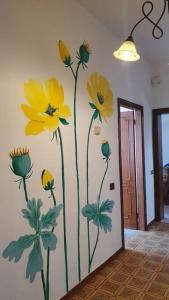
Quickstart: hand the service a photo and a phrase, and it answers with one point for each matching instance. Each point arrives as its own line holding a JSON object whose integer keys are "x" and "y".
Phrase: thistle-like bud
{"x": 64, "y": 54}
{"x": 21, "y": 162}
{"x": 84, "y": 52}
{"x": 47, "y": 180}
{"x": 106, "y": 151}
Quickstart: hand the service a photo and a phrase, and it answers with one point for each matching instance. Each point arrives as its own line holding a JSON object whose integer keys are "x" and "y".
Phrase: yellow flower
{"x": 46, "y": 106}
{"x": 101, "y": 95}
{"x": 47, "y": 180}
{"x": 64, "y": 54}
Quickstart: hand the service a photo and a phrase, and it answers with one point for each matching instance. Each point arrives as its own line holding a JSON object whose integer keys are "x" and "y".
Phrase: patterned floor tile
{"x": 162, "y": 277}
{"x": 106, "y": 271}
{"x": 145, "y": 273}
{"x": 96, "y": 281}
{"x": 141, "y": 272}
{"x": 128, "y": 293}
{"x": 157, "y": 289}
{"x": 84, "y": 292}
{"x": 119, "y": 277}
{"x": 137, "y": 282}
{"x": 110, "y": 286}
{"x": 101, "y": 295}
{"x": 150, "y": 297}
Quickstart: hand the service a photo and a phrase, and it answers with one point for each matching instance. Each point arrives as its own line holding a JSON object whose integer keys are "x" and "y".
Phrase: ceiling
{"x": 120, "y": 16}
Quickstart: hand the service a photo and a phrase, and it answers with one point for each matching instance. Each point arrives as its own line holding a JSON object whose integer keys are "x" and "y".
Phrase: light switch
{"x": 112, "y": 186}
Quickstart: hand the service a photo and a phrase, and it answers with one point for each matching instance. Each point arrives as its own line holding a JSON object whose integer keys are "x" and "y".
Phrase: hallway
{"x": 140, "y": 272}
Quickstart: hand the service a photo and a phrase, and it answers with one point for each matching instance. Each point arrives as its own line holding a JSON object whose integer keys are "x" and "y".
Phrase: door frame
{"x": 131, "y": 105}
{"x": 157, "y": 157}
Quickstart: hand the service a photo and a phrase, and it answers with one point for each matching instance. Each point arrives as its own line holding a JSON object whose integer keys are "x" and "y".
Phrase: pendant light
{"x": 128, "y": 51}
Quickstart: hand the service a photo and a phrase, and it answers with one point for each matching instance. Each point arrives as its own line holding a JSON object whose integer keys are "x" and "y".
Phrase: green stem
{"x": 101, "y": 186}
{"x": 73, "y": 72}
{"x": 53, "y": 196}
{"x": 47, "y": 274}
{"x": 95, "y": 246}
{"x": 48, "y": 256}
{"x": 77, "y": 175}
{"x": 64, "y": 210}
{"x": 25, "y": 189}
{"x": 43, "y": 284}
{"x": 87, "y": 187}
{"x": 42, "y": 272}
{"x": 98, "y": 203}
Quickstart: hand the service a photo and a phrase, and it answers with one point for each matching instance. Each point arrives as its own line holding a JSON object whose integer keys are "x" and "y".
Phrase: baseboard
{"x": 149, "y": 224}
{"x": 89, "y": 277}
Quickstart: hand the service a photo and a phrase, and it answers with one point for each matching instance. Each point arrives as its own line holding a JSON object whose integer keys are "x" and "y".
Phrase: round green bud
{"x": 105, "y": 148}
{"x": 21, "y": 162}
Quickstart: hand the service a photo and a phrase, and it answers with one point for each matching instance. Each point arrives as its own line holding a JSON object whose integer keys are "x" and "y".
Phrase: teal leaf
{"x": 49, "y": 219}
{"x": 35, "y": 261}
{"x": 107, "y": 206}
{"x": 97, "y": 214}
{"x": 16, "y": 248}
{"x": 90, "y": 211}
{"x": 105, "y": 223}
{"x": 63, "y": 121}
{"x": 92, "y": 105}
{"x": 95, "y": 115}
{"x": 32, "y": 214}
{"x": 49, "y": 240}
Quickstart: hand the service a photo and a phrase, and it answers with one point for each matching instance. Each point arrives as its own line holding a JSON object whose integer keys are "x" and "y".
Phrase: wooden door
{"x": 128, "y": 169}
{"x": 158, "y": 163}
{"x": 140, "y": 171}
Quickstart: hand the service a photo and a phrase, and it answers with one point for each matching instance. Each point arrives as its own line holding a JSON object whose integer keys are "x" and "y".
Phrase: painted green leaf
{"x": 107, "y": 206}
{"x": 63, "y": 121}
{"x": 105, "y": 223}
{"x": 96, "y": 113}
{"x": 97, "y": 214}
{"x": 92, "y": 105}
{"x": 90, "y": 211}
{"x": 35, "y": 261}
{"x": 16, "y": 248}
{"x": 49, "y": 240}
{"x": 49, "y": 219}
{"x": 32, "y": 214}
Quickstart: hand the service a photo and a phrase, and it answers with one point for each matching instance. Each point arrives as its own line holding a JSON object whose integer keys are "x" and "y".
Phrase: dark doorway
{"x": 132, "y": 168}
{"x": 160, "y": 171}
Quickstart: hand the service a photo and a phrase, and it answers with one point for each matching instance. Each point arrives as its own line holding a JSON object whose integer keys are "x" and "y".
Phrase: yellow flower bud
{"x": 64, "y": 54}
{"x": 47, "y": 180}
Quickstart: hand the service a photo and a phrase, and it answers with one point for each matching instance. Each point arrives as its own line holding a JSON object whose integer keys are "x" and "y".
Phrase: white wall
{"x": 160, "y": 89}
{"x": 29, "y": 32}
{"x": 165, "y": 139}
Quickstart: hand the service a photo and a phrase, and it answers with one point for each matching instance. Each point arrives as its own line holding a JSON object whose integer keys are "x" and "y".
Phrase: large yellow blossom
{"x": 101, "y": 95}
{"x": 46, "y": 106}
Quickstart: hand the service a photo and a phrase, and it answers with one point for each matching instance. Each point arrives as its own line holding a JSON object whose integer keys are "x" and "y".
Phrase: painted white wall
{"x": 160, "y": 87}
{"x": 29, "y": 32}
{"x": 165, "y": 138}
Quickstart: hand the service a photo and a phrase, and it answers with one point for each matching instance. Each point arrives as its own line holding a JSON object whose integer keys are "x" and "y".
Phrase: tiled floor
{"x": 128, "y": 233}
{"x": 139, "y": 272}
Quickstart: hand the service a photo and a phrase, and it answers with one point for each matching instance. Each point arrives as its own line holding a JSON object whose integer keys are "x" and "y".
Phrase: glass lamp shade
{"x": 127, "y": 51}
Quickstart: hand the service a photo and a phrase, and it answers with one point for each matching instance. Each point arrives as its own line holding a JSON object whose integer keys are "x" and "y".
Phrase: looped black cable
{"x": 146, "y": 16}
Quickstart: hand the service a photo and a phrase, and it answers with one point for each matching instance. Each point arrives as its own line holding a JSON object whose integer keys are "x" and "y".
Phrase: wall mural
{"x": 47, "y": 111}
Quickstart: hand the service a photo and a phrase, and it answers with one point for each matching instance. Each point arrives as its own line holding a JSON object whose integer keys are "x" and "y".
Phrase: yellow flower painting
{"x": 46, "y": 106}
{"x": 101, "y": 95}
{"x": 64, "y": 54}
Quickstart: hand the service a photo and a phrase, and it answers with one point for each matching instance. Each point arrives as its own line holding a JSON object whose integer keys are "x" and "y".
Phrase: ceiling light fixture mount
{"x": 128, "y": 51}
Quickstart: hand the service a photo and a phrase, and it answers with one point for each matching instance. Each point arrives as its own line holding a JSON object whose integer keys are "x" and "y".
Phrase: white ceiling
{"x": 120, "y": 16}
